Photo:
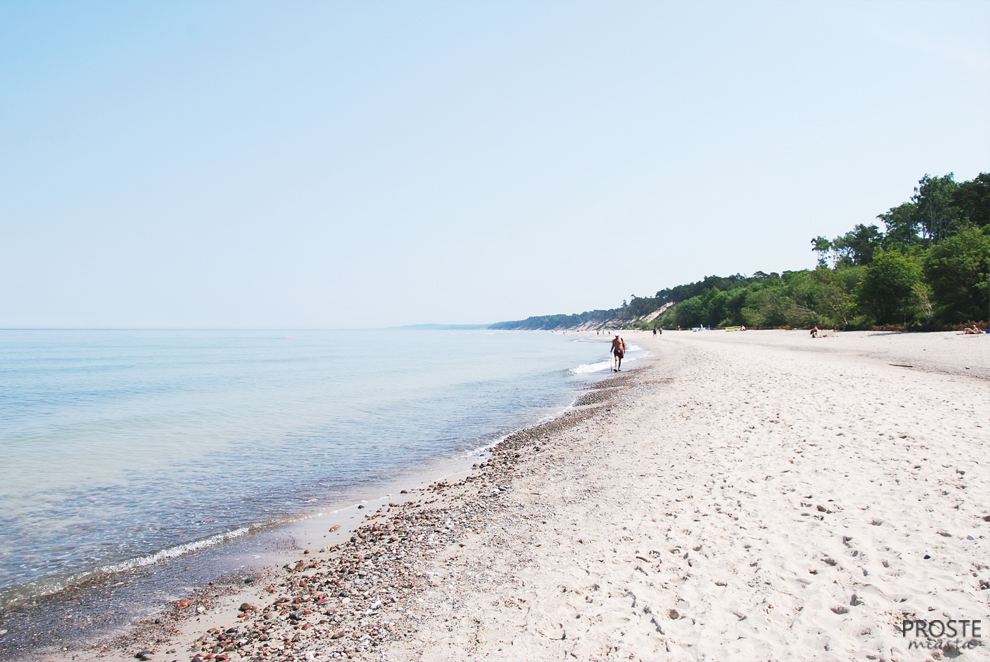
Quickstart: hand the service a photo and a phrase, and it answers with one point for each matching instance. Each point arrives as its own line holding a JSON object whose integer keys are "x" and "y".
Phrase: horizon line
{"x": 149, "y": 328}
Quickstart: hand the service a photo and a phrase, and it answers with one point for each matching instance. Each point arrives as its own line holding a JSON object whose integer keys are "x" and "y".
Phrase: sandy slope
{"x": 755, "y": 495}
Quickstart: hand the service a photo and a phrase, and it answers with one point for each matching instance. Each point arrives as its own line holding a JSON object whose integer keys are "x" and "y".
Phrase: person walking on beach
{"x": 618, "y": 351}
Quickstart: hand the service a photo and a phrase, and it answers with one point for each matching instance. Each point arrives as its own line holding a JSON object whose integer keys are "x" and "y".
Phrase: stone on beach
{"x": 702, "y": 507}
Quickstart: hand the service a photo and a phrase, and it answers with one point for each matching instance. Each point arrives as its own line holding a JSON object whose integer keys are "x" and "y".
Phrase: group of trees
{"x": 939, "y": 209}
{"x": 929, "y": 267}
{"x": 559, "y": 321}
{"x": 639, "y": 306}
{"x": 635, "y": 306}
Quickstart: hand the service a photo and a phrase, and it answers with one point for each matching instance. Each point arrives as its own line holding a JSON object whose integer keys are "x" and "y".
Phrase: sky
{"x": 355, "y": 165}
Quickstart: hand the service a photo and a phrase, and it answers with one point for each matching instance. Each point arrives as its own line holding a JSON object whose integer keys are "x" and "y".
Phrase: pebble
{"x": 355, "y": 590}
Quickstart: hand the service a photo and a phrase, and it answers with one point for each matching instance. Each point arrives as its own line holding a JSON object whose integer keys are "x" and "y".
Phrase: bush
{"x": 888, "y": 290}
{"x": 767, "y": 308}
{"x": 957, "y": 270}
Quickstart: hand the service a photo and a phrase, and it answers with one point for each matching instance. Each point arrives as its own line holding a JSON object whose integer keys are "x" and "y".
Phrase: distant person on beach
{"x": 971, "y": 331}
{"x": 618, "y": 351}
{"x": 654, "y": 331}
{"x": 814, "y": 332}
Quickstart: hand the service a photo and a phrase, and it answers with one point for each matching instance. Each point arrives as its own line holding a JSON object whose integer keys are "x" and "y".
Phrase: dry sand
{"x": 742, "y": 496}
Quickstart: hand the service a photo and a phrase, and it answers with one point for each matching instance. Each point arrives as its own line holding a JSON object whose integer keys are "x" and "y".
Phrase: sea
{"x": 121, "y": 449}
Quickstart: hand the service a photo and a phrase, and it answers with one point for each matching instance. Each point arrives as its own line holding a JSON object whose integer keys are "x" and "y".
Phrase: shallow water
{"x": 119, "y": 447}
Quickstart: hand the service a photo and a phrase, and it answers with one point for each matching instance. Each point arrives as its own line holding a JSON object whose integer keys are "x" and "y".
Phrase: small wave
{"x": 13, "y": 595}
{"x": 590, "y": 367}
{"x": 173, "y": 552}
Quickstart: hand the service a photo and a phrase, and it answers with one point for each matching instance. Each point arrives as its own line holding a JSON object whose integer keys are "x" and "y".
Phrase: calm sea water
{"x": 117, "y": 445}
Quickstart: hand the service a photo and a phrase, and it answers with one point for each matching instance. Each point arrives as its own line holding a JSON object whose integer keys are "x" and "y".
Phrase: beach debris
{"x": 246, "y": 606}
{"x": 145, "y": 655}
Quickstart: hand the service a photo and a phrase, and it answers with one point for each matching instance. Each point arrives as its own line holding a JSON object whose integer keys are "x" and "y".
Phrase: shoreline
{"x": 271, "y": 446}
{"x": 222, "y": 573}
{"x": 342, "y": 593}
{"x": 737, "y": 497}
{"x": 229, "y": 567}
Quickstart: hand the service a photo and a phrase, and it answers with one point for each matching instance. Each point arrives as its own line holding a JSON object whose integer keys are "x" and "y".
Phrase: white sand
{"x": 731, "y": 512}
{"x": 748, "y": 496}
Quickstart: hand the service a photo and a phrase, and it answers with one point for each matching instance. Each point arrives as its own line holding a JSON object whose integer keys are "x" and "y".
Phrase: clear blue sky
{"x": 318, "y": 164}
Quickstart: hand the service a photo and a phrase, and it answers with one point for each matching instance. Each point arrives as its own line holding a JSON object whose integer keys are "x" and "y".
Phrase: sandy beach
{"x": 756, "y": 495}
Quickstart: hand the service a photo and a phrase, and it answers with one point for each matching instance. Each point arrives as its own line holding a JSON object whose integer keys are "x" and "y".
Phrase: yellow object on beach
{"x": 733, "y": 328}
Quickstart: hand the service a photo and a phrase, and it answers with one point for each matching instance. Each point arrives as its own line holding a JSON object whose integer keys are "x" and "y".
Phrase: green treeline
{"x": 635, "y": 307}
{"x": 928, "y": 268}
{"x": 558, "y": 321}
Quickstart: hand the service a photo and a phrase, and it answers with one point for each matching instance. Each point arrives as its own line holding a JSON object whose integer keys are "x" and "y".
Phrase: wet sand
{"x": 753, "y": 495}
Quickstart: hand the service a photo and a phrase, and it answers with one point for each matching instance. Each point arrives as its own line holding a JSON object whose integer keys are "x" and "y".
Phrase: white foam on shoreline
{"x": 18, "y": 593}
{"x": 601, "y": 366}
{"x": 588, "y": 368}
{"x": 172, "y": 552}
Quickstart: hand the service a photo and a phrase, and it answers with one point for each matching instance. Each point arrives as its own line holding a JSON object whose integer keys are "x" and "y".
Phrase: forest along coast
{"x": 928, "y": 269}
{"x": 742, "y": 496}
